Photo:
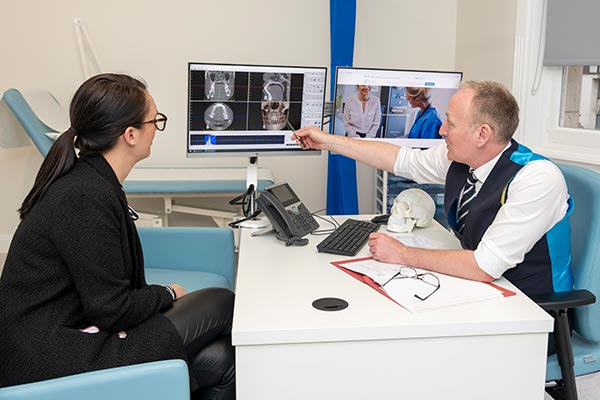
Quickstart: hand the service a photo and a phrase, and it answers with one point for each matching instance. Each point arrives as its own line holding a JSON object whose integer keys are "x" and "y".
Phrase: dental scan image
{"x": 247, "y": 108}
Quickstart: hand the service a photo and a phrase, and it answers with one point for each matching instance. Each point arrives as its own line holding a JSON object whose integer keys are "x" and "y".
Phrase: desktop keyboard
{"x": 348, "y": 238}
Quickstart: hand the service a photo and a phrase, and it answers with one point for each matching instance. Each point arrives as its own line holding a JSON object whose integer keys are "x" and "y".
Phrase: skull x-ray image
{"x": 218, "y": 117}
{"x": 219, "y": 85}
{"x": 275, "y": 100}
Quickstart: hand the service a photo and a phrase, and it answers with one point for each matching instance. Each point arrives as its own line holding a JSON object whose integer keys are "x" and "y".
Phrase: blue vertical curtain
{"x": 342, "y": 192}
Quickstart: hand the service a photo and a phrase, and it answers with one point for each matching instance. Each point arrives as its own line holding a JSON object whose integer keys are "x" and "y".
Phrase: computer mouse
{"x": 381, "y": 219}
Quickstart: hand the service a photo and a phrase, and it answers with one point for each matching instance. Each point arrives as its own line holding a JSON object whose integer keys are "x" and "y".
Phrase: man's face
{"x": 461, "y": 141}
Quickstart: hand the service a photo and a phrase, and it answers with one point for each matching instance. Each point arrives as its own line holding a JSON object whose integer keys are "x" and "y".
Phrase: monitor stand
{"x": 252, "y": 179}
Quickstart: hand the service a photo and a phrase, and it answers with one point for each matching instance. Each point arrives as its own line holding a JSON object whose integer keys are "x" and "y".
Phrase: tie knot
{"x": 472, "y": 179}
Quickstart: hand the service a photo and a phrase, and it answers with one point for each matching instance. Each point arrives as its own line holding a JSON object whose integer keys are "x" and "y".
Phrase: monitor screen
{"x": 399, "y": 106}
{"x": 251, "y": 109}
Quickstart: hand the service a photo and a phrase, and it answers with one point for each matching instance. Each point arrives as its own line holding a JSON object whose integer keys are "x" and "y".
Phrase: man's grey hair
{"x": 494, "y": 105}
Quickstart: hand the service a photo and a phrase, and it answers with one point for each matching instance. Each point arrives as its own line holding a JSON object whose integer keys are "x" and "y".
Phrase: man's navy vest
{"x": 547, "y": 266}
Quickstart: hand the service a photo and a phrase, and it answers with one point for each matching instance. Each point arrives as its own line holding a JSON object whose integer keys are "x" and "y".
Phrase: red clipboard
{"x": 365, "y": 279}
{"x": 505, "y": 291}
{"x": 361, "y": 277}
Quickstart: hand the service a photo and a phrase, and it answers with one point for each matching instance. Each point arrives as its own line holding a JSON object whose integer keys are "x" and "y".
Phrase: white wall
{"x": 406, "y": 35}
{"x": 155, "y": 40}
{"x": 485, "y": 39}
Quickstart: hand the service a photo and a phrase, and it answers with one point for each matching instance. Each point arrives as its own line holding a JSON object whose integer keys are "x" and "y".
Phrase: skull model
{"x": 412, "y": 207}
{"x": 219, "y": 85}
{"x": 276, "y": 100}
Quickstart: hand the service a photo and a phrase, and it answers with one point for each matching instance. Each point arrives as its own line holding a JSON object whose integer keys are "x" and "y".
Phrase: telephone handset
{"x": 289, "y": 217}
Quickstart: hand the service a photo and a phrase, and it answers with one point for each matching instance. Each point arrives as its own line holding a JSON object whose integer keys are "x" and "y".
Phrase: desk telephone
{"x": 289, "y": 217}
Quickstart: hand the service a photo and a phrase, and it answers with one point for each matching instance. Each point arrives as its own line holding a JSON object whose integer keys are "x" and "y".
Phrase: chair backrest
{"x": 204, "y": 249}
{"x": 584, "y": 188}
{"x": 34, "y": 127}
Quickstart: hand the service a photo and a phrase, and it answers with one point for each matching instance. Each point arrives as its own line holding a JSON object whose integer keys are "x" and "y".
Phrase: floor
{"x": 588, "y": 386}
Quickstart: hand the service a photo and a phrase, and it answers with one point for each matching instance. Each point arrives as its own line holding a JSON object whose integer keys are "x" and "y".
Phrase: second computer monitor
{"x": 400, "y": 106}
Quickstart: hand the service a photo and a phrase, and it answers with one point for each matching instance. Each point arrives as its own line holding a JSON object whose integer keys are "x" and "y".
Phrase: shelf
{"x": 388, "y": 186}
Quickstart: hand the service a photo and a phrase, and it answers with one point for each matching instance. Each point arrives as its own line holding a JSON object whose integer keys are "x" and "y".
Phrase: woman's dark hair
{"x": 101, "y": 109}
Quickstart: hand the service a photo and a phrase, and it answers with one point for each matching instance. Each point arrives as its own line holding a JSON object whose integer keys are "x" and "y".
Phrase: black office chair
{"x": 577, "y": 353}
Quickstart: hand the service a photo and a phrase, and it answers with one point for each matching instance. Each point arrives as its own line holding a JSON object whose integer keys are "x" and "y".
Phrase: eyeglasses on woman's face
{"x": 160, "y": 121}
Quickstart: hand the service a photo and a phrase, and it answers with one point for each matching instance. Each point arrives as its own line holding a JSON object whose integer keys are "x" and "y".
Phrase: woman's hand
{"x": 179, "y": 290}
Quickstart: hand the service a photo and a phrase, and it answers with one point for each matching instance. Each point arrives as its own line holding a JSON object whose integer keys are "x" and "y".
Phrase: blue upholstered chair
{"x": 578, "y": 354}
{"x": 196, "y": 258}
{"x": 158, "y": 380}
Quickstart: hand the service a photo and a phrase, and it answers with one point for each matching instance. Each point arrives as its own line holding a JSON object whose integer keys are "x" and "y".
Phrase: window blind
{"x": 572, "y": 32}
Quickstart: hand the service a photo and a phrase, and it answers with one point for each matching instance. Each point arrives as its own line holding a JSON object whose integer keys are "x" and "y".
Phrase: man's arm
{"x": 537, "y": 200}
{"x": 377, "y": 154}
{"x": 459, "y": 263}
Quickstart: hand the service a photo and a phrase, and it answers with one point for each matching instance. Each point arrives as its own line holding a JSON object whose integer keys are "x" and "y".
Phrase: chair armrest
{"x": 158, "y": 380}
{"x": 203, "y": 249}
{"x": 564, "y": 300}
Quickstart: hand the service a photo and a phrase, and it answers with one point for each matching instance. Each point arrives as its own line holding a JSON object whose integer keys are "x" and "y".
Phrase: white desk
{"x": 374, "y": 349}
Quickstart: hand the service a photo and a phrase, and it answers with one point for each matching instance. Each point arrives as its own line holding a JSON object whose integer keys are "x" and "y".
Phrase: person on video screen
{"x": 362, "y": 113}
{"x": 427, "y": 123}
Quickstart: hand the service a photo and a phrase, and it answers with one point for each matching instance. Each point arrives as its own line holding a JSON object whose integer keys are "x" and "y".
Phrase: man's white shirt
{"x": 536, "y": 201}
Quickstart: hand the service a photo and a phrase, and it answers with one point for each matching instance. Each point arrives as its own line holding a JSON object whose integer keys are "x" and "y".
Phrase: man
{"x": 507, "y": 205}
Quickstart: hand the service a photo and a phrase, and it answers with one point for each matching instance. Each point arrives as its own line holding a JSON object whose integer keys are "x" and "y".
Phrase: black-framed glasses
{"x": 160, "y": 122}
{"x": 427, "y": 278}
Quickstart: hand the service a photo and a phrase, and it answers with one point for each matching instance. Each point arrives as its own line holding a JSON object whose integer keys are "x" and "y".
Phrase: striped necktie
{"x": 464, "y": 201}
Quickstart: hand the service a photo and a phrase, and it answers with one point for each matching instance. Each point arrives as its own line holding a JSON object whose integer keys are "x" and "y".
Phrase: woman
{"x": 427, "y": 124}
{"x": 73, "y": 293}
{"x": 362, "y": 113}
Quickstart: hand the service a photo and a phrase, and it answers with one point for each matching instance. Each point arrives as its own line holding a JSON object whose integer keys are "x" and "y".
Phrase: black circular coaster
{"x": 330, "y": 304}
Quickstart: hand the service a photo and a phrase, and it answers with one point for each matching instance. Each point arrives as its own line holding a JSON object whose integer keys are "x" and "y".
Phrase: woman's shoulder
{"x": 82, "y": 181}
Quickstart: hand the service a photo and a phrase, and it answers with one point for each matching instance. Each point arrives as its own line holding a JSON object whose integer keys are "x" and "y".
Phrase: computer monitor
{"x": 251, "y": 109}
{"x": 398, "y": 106}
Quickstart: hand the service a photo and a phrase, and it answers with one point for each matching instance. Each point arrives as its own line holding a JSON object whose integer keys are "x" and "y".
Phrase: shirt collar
{"x": 484, "y": 171}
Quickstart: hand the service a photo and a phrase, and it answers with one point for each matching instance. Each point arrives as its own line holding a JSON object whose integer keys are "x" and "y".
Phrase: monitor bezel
{"x": 249, "y": 152}
{"x": 417, "y": 143}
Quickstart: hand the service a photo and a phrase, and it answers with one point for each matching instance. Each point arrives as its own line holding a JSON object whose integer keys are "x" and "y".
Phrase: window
{"x": 558, "y": 101}
{"x": 580, "y": 102}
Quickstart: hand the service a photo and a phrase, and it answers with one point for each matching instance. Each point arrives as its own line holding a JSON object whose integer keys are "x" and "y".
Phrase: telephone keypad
{"x": 303, "y": 220}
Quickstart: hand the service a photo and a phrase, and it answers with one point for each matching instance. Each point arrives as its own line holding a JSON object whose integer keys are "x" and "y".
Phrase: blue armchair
{"x": 579, "y": 353}
{"x": 156, "y": 380}
{"x": 196, "y": 258}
